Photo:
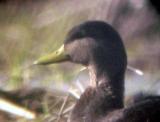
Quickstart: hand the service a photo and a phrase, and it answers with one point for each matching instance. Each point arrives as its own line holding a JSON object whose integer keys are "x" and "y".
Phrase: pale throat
{"x": 94, "y": 80}
{"x": 92, "y": 76}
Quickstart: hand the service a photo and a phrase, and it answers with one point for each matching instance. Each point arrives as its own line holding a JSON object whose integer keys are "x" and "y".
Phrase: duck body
{"x": 96, "y": 45}
{"x": 147, "y": 110}
{"x": 91, "y": 108}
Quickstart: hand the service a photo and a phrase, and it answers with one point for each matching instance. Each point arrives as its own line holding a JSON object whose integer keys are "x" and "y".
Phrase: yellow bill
{"x": 54, "y": 57}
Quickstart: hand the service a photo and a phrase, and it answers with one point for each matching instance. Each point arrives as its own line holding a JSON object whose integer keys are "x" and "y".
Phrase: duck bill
{"x": 54, "y": 57}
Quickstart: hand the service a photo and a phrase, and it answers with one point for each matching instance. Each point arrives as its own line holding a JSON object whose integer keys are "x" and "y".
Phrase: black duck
{"x": 96, "y": 45}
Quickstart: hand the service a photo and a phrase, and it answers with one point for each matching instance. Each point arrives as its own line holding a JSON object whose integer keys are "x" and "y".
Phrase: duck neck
{"x": 99, "y": 100}
{"x": 110, "y": 89}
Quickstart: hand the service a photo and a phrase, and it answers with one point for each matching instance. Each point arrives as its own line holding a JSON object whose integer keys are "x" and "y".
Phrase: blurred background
{"x": 32, "y": 28}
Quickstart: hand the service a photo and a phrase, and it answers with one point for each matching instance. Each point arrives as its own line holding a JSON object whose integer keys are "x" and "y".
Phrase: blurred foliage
{"x": 22, "y": 39}
{"x": 31, "y": 28}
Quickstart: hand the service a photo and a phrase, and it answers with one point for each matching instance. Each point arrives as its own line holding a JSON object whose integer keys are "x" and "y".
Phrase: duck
{"x": 99, "y": 47}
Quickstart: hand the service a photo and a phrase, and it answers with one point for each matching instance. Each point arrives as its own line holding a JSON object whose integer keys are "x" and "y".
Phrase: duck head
{"x": 94, "y": 44}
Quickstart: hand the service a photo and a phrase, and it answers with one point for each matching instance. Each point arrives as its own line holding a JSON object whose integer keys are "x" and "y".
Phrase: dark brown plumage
{"x": 99, "y": 47}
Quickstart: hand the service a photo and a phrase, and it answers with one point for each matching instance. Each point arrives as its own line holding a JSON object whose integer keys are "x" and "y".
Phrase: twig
{"x": 62, "y": 107}
{"x": 15, "y": 109}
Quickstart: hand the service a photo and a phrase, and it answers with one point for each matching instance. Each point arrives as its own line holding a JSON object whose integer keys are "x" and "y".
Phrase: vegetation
{"x": 30, "y": 29}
